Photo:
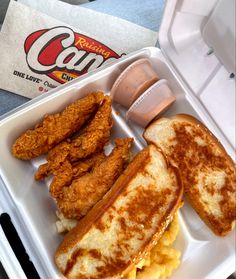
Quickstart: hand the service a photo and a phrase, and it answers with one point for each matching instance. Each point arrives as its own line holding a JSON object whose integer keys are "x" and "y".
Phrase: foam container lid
{"x": 198, "y": 39}
{"x": 202, "y": 88}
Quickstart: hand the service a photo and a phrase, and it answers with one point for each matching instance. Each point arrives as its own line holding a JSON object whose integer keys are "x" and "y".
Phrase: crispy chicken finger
{"x": 83, "y": 193}
{"x": 56, "y": 157}
{"x": 55, "y": 128}
{"x": 86, "y": 165}
{"x": 96, "y": 134}
{"x": 92, "y": 140}
{"x": 64, "y": 175}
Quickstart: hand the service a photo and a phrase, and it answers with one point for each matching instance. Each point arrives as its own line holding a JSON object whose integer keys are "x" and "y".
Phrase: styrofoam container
{"x": 202, "y": 88}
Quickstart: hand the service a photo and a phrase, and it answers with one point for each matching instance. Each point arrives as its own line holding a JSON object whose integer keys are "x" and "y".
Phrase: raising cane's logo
{"x": 63, "y": 54}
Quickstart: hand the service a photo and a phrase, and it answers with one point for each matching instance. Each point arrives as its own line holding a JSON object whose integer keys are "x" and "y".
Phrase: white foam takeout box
{"x": 203, "y": 88}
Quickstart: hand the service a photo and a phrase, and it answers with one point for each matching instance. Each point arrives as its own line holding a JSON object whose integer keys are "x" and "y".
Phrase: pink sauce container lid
{"x": 152, "y": 102}
{"x": 133, "y": 81}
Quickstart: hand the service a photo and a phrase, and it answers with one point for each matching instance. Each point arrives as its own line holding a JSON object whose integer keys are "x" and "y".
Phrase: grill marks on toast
{"x": 120, "y": 229}
{"x": 207, "y": 172}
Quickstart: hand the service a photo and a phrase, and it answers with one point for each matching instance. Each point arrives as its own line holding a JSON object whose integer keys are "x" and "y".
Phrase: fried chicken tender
{"x": 56, "y": 157}
{"x": 86, "y": 165}
{"x": 57, "y": 127}
{"x": 92, "y": 140}
{"x": 76, "y": 199}
{"x": 96, "y": 134}
{"x": 64, "y": 175}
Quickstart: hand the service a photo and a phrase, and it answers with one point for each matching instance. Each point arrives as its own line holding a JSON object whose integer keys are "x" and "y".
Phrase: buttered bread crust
{"x": 123, "y": 227}
{"x": 206, "y": 170}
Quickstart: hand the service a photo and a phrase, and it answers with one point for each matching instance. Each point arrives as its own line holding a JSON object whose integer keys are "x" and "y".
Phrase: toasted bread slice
{"x": 206, "y": 170}
{"x": 118, "y": 232}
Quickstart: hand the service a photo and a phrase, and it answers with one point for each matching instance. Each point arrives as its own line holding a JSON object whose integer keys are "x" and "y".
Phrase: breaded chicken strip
{"x": 96, "y": 134}
{"x": 87, "y": 164}
{"x": 83, "y": 193}
{"x": 55, "y": 128}
{"x": 64, "y": 175}
{"x": 92, "y": 140}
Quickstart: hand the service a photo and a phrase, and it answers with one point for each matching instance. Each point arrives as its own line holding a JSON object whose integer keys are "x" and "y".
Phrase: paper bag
{"x": 39, "y": 52}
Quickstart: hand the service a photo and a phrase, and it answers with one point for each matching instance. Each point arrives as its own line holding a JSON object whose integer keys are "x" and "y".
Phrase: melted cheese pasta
{"x": 162, "y": 259}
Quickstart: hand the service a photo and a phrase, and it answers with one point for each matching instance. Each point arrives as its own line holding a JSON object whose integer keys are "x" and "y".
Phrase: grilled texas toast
{"x": 207, "y": 172}
{"x": 121, "y": 228}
